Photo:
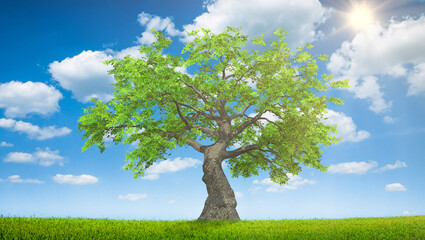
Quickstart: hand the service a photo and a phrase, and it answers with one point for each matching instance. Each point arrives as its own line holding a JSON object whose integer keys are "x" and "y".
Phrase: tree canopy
{"x": 193, "y": 107}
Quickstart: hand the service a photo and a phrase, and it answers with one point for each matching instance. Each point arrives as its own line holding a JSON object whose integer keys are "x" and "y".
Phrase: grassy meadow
{"x": 412, "y": 227}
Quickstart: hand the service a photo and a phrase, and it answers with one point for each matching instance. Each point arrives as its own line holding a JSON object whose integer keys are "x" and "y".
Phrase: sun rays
{"x": 360, "y": 16}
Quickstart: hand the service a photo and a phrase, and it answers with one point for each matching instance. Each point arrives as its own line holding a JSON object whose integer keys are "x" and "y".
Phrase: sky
{"x": 51, "y": 62}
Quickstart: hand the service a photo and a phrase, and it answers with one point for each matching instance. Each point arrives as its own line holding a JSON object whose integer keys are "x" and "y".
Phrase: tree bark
{"x": 221, "y": 202}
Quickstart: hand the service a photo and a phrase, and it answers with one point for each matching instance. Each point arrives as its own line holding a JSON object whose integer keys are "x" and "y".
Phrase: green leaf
{"x": 259, "y": 40}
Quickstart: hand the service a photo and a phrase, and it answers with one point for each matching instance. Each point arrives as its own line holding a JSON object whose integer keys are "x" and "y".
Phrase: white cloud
{"x": 382, "y": 50}
{"x": 409, "y": 213}
{"x": 416, "y": 80}
{"x": 1, "y": 180}
{"x": 20, "y": 99}
{"x": 253, "y": 190}
{"x": 238, "y": 194}
{"x": 132, "y": 51}
{"x": 71, "y": 179}
{"x": 42, "y": 157}
{"x": 159, "y": 24}
{"x": 395, "y": 187}
{"x": 33, "y": 131}
{"x": 299, "y": 18}
{"x": 294, "y": 182}
{"x": 5, "y": 144}
{"x": 86, "y": 75}
{"x": 132, "y": 196}
{"x": 153, "y": 172}
{"x": 172, "y": 201}
{"x": 352, "y": 167}
{"x": 397, "y": 164}
{"x": 389, "y": 119}
{"x": 7, "y": 123}
{"x": 48, "y": 157}
{"x": 20, "y": 157}
{"x": 18, "y": 179}
{"x": 345, "y": 126}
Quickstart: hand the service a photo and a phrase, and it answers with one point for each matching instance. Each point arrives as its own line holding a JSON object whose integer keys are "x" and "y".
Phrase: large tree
{"x": 198, "y": 107}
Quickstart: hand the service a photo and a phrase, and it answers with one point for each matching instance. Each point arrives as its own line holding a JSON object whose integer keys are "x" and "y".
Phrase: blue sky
{"x": 51, "y": 65}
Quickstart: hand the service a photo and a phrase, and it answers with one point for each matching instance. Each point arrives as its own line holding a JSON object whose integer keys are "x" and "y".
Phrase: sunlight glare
{"x": 360, "y": 17}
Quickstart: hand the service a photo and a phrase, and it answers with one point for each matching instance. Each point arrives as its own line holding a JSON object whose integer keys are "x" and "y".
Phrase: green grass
{"x": 79, "y": 228}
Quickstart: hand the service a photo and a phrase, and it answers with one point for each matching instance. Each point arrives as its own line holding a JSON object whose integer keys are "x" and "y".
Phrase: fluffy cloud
{"x": 20, "y": 99}
{"x": 48, "y": 157}
{"x": 346, "y": 127}
{"x": 299, "y": 18}
{"x": 78, "y": 180}
{"x": 159, "y": 24}
{"x": 363, "y": 167}
{"x": 379, "y": 51}
{"x": 42, "y": 157}
{"x": 352, "y": 167}
{"x": 86, "y": 75}
{"x": 397, "y": 164}
{"x": 18, "y": 179}
{"x": 395, "y": 187}
{"x": 294, "y": 182}
{"x": 19, "y": 157}
{"x": 33, "y": 131}
{"x": 152, "y": 173}
{"x": 132, "y": 196}
{"x": 5, "y": 144}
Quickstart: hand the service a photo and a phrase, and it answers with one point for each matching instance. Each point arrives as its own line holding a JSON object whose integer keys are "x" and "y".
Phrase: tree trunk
{"x": 221, "y": 202}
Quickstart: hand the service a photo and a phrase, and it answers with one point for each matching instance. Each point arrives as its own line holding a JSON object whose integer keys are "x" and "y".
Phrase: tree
{"x": 199, "y": 107}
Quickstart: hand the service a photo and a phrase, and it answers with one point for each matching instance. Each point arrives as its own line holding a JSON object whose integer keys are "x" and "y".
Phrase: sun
{"x": 360, "y": 16}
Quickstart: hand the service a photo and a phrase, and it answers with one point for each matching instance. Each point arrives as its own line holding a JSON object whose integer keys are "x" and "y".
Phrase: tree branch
{"x": 247, "y": 71}
{"x": 223, "y": 76}
{"x": 180, "y": 114}
{"x": 229, "y": 76}
{"x": 240, "y": 114}
{"x": 199, "y": 92}
{"x": 273, "y": 122}
{"x": 246, "y": 124}
{"x": 263, "y": 158}
{"x": 189, "y": 126}
{"x": 222, "y": 109}
{"x": 239, "y": 151}
{"x": 212, "y": 117}
{"x": 197, "y": 146}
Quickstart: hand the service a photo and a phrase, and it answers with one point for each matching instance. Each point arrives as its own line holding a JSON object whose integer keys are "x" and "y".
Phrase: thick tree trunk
{"x": 221, "y": 202}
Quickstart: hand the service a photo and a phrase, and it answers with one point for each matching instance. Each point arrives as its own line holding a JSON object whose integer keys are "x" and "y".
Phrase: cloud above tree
{"x": 381, "y": 51}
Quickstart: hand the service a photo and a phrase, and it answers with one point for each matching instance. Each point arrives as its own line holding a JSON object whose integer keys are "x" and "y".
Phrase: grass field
{"x": 78, "y": 228}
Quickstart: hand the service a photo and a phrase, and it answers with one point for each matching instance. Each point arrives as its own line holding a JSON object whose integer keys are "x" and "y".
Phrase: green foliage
{"x": 286, "y": 86}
